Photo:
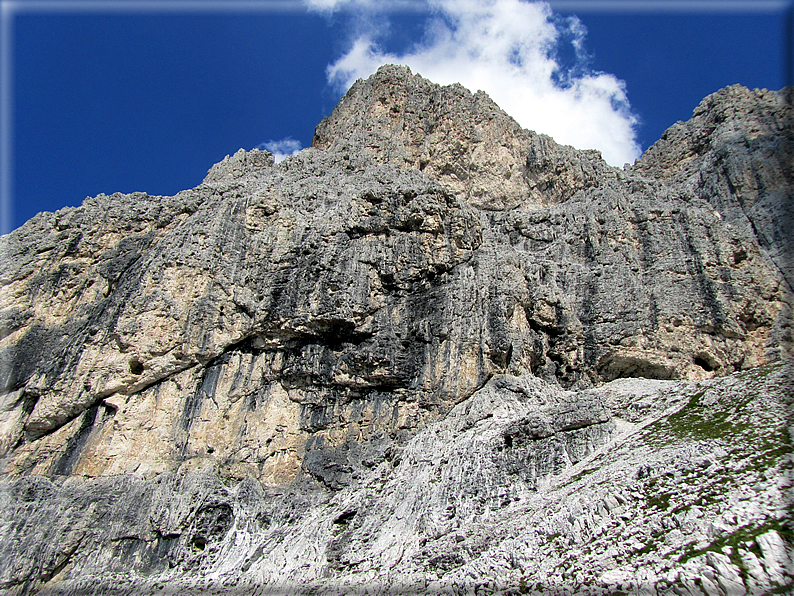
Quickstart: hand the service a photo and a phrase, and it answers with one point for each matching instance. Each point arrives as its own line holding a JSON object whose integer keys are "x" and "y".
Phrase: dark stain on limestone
{"x": 119, "y": 259}
{"x": 19, "y": 361}
{"x": 74, "y": 445}
{"x": 706, "y": 285}
{"x": 194, "y": 402}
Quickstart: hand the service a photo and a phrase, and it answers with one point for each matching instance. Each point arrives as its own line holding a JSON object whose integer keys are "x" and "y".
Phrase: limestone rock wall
{"x": 339, "y": 300}
{"x": 737, "y": 153}
{"x": 429, "y": 278}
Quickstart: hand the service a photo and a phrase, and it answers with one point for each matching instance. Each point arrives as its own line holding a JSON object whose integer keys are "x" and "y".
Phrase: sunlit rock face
{"x": 354, "y": 369}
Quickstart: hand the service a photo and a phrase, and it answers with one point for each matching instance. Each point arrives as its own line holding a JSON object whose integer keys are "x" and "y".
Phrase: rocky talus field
{"x": 433, "y": 354}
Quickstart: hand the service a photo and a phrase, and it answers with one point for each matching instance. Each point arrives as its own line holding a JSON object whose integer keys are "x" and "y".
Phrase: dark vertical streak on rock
{"x": 701, "y": 277}
{"x": 75, "y": 444}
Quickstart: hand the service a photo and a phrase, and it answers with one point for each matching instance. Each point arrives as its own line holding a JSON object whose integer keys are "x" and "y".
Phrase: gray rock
{"x": 776, "y": 556}
{"x": 433, "y": 353}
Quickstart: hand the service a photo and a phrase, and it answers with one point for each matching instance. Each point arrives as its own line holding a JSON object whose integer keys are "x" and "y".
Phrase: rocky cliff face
{"x": 381, "y": 364}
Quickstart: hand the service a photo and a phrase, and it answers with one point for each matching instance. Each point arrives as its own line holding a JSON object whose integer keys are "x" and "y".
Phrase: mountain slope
{"x": 301, "y": 374}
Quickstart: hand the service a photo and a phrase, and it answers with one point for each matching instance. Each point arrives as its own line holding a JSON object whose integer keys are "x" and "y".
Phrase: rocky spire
{"x": 463, "y": 140}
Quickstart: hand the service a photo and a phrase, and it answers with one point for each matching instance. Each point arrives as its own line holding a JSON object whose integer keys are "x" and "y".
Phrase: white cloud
{"x": 325, "y": 5}
{"x": 510, "y": 49}
{"x": 281, "y": 149}
{"x": 331, "y": 6}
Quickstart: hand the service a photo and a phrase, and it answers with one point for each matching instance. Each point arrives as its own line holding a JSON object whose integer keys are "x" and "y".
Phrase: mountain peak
{"x": 462, "y": 139}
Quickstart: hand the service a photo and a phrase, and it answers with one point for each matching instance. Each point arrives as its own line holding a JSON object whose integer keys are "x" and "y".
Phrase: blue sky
{"x": 105, "y": 96}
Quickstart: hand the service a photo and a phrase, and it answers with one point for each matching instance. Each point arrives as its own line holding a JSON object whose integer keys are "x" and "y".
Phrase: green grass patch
{"x": 696, "y": 422}
{"x": 583, "y": 473}
{"x": 762, "y": 371}
{"x": 659, "y": 500}
{"x": 649, "y": 547}
{"x": 738, "y": 537}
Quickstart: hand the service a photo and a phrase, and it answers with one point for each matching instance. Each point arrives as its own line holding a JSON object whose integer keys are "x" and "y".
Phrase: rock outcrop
{"x": 522, "y": 488}
{"x": 380, "y": 364}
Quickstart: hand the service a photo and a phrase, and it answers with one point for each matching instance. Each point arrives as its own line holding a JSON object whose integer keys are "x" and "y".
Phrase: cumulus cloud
{"x": 324, "y": 5}
{"x": 281, "y": 149}
{"x": 330, "y": 6}
{"x": 532, "y": 62}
